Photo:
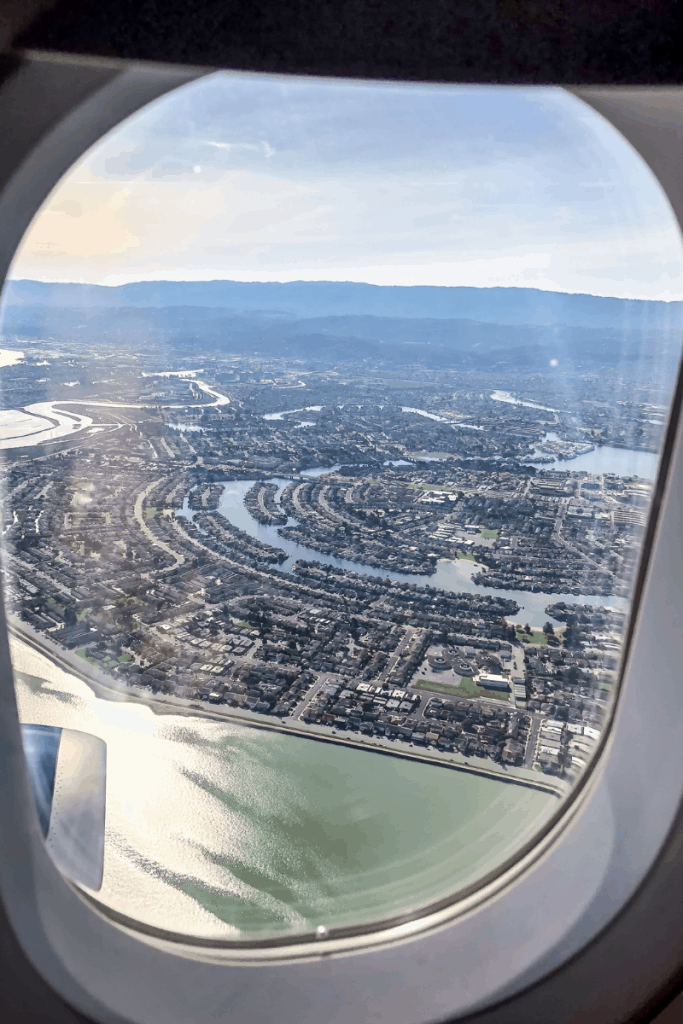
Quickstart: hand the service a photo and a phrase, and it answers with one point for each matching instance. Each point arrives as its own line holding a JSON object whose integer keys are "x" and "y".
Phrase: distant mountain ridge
{"x": 506, "y": 328}
{"x": 313, "y": 299}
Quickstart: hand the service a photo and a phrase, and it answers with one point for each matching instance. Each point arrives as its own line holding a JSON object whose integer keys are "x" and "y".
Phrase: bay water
{"x": 218, "y": 830}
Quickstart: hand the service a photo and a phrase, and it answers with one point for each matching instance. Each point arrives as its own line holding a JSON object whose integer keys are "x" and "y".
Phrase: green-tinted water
{"x": 221, "y": 830}
{"x": 338, "y": 836}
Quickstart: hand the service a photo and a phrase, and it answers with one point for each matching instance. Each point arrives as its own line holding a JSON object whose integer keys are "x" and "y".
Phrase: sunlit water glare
{"x": 220, "y": 830}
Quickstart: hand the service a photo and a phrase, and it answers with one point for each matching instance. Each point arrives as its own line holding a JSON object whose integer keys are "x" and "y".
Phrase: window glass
{"x": 330, "y": 420}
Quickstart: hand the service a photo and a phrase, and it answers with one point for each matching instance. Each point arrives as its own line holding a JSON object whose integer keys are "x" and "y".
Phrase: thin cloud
{"x": 258, "y": 147}
{"x": 370, "y": 182}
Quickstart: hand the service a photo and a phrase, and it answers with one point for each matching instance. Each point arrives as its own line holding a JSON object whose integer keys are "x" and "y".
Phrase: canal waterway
{"x": 454, "y": 577}
{"x": 506, "y": 396}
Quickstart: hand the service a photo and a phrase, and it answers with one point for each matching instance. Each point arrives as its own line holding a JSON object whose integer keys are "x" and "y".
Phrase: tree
{"x": 548, "y": 629}
{"x": 570, "y": 636}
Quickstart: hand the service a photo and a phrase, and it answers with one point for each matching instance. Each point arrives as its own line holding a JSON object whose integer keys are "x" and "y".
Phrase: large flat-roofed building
{"x": 491, "y": 682}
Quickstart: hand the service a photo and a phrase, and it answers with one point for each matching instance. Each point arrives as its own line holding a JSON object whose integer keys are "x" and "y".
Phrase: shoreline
{"x": 168, "y": 706}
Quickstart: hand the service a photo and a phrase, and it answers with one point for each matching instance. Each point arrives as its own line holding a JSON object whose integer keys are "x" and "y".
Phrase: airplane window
{"x": 331, "y": 418}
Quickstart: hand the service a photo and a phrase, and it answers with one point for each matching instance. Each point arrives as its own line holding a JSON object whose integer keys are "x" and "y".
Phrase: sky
{"x": 259, "y": 178}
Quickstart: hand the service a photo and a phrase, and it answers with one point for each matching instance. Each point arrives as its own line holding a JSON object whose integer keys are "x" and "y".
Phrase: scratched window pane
{"x": 330, "y": 420}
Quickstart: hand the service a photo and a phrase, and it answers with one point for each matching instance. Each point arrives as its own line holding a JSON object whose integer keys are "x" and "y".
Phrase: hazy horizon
{"x": 232, "y": 280}
{"x": 252, "y": 178}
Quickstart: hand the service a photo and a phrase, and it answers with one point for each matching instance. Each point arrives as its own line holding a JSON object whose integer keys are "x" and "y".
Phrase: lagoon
{"x": 455, "y": 577}
{"x": 605, "y": 459}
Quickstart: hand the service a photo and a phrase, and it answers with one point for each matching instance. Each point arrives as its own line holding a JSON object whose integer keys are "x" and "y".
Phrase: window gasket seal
{"x": 40, "y": 921}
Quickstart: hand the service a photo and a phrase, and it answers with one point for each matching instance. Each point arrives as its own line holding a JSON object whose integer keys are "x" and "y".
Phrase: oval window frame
{"x": 577, "y": 881}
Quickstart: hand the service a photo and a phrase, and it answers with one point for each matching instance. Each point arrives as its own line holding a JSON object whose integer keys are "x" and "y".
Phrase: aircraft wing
{"x": 67, "y": 770}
